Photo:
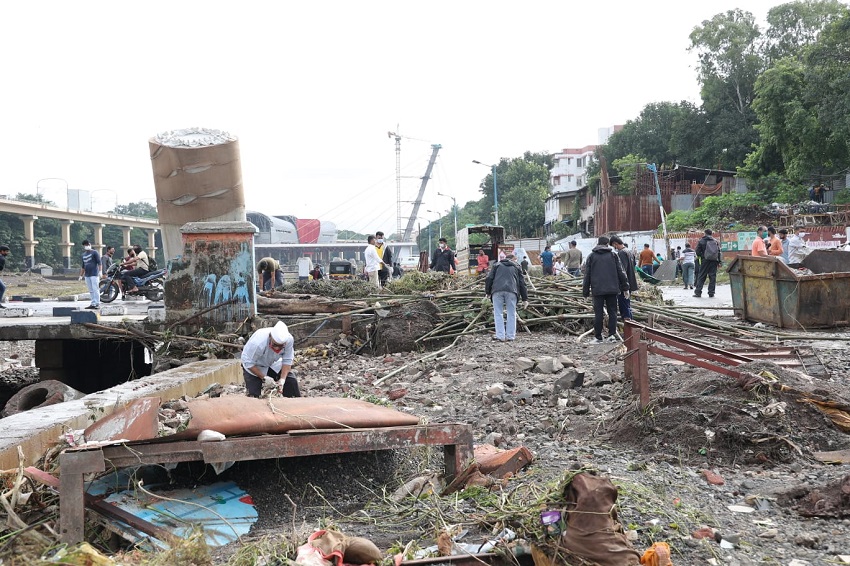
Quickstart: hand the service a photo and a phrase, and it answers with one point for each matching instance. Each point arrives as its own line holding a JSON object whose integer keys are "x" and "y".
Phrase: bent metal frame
{"x": 456, "y": 440}
{"x": 640, "y": 341}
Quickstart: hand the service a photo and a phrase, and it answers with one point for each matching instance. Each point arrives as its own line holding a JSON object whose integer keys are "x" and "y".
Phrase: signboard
{"x": 729, "y": 242}
{"x": 745, "y": 240}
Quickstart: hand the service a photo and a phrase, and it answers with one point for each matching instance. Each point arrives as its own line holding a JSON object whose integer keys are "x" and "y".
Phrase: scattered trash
{"x": 740, "y": 508}
{"x": 657, "y": 555}
{"x": 225, "y": 512}
{"x": 552, "y": 524}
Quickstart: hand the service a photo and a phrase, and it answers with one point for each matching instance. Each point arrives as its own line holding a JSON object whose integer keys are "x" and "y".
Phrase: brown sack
{"x": 593, "y": 529}
{"x": 362, "y": 551}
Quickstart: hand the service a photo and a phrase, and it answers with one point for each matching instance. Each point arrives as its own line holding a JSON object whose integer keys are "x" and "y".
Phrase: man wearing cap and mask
{"x": 270, "y": 352}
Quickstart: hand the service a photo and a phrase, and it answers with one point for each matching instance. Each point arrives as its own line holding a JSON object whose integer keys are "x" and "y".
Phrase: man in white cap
{"x": 270, "y": 352}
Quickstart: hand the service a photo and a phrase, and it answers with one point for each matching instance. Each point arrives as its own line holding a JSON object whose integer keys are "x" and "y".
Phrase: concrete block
{"x": 70, "y": 298}
{"x": 156, "y": 314}
{"x": 32, "y": 299}
{"x": 16, "y": 312}
{"x": 113, "y": 310}
{"x": 18, "y": 297}
{"x": 64, "y": 311}
{"x": 81, "y": 317}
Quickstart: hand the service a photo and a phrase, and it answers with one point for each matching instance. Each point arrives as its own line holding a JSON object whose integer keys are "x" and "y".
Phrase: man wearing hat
{"x": 267, "y": 349}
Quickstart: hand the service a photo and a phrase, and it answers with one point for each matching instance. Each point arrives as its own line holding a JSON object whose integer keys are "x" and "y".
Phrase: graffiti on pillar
{"x": 215, "y": 269}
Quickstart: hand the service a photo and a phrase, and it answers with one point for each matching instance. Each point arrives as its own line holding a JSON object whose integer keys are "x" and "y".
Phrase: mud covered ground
{"x": 760, "y": 443}
{"x": 758, "y": 437}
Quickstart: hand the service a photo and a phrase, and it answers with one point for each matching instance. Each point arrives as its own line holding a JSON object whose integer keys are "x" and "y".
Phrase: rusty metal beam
{"x": 694, "y": 361}
{"x": 704, "y": 350}
{"x": 709, "y": 332}
{"x": 106, "y": 509}
{"x": 491, "y": 559}
{"x": 71, "y": 510}
{"x": 456, "y": 440}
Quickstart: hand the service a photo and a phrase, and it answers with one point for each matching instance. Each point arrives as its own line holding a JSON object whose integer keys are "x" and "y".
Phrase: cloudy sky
{"x": 312, "y": 88}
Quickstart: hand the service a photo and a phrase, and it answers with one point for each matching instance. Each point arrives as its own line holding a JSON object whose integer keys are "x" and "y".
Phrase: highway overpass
{"x": 29, "y": 212}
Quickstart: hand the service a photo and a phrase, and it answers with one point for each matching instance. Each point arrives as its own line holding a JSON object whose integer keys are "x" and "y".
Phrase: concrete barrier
{"x": 16, "y": 312}
{"x": 38, "y": 430}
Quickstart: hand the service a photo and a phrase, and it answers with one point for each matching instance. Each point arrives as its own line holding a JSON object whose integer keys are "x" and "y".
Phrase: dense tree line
{"x": 523, "y": 185}
{"x": 775, "y": 102}
{"x": 775, "y": 107}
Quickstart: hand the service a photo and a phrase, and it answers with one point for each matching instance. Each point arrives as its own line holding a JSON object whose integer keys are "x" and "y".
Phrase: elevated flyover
{"x": 29, "y": 212}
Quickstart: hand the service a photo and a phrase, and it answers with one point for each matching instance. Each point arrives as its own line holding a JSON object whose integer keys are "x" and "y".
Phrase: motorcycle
{"x": 149, "y": 286}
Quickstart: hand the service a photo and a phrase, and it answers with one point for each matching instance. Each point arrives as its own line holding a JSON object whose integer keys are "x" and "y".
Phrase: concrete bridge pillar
{"x": 151, "y": 243}
{"x": 98, "y": 237}
{"x": 29, "y": 240}
{"x": 125, "y": 230}
{"x": 66, "y": 244}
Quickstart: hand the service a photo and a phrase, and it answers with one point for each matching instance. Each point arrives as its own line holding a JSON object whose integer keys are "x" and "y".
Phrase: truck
{"x": 474, "y": 237}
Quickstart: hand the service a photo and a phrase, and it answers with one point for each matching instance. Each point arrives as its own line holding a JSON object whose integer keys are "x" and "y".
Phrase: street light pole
{"x": 38, "y": 186}
{"x": 440, "y": 218}
{"x": 495, "y": 191}
{"x": 454, "y": 207}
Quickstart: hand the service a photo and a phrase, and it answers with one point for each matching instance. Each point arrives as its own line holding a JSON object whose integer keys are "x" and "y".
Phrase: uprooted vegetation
{"x": 766, "y": 435}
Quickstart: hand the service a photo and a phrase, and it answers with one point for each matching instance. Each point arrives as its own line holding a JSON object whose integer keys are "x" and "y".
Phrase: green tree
{"x": 802, "y": 107}
{"x": 626, "y": 169}
{"x": 518, "y": 172}
{"x": 730, "y": 60}
{"x": 656, "y": 134}
{"x": 138, "y": 209}
{"x": 795, "y": 25}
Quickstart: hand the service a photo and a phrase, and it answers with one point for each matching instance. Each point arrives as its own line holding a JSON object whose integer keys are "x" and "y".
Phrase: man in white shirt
{"x": 373, "y": 262}
{"x": 797, "y": 249}
{"x": 270, "y": 352}
{"x": 305, "y": 266}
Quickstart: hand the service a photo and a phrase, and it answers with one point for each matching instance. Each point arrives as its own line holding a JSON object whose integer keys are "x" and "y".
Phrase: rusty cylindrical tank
{"x": 197, "y": 175}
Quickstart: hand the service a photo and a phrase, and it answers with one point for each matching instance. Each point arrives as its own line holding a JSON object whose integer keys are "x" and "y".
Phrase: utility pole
{"x": 435, "y": 148}
{"x": 454, "y": 208}
{"x": 397, "y": 179}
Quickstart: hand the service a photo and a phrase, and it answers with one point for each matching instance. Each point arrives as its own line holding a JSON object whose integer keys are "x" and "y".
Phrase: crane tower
{"x": 408, "y": 231}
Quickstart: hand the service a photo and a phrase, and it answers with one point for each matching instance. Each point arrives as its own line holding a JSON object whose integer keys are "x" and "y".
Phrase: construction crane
{"x": 434, "y": 149}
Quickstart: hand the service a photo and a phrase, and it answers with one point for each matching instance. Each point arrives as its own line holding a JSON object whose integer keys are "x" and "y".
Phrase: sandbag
{"x": 593, "y": 530}
{"x": 339, "y": 548}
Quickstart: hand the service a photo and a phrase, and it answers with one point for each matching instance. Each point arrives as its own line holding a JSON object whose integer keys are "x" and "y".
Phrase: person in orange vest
{"x": 483, "y": 263}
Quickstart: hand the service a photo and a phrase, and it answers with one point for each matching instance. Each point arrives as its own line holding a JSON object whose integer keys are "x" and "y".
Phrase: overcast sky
{"x": 312, "y": 88}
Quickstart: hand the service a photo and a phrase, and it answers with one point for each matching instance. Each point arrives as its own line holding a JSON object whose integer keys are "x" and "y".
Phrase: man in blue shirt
{"x": 547, "y": 258}
{"x": 90, "y": 269}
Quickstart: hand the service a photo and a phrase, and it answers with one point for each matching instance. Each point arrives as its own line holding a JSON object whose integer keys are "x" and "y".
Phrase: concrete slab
{"x": 82, "y": 317}
{"x": 38, "y": 430}
{"x": 156, "y": 314}
{"x": 112, "y": 310}
{"x": 32, "y": 299}
{"x": 64, "y": 311}
{"x": 16, "y": 312}
{"x": 685, "y": 297}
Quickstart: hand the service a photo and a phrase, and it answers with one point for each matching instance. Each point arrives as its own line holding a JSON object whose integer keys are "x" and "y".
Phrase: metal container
{"x": 766, "y": 290}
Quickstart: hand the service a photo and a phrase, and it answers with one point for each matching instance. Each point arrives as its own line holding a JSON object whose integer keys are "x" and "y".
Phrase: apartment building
{"x": 567, "y": 177}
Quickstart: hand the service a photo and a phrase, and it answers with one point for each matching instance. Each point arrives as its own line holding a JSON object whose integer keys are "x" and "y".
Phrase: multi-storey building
{"x": 567, "y": 177}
